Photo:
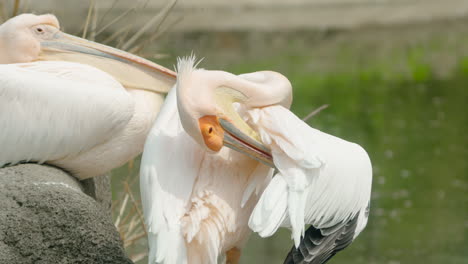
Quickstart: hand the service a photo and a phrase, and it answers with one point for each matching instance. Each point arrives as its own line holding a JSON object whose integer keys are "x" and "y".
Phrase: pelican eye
{"x": 212, "y": 132}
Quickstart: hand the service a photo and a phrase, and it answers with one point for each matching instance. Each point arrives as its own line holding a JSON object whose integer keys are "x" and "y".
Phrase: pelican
{"x": 193, "y": 200}
{"x": 79, "y": 105}
{"x": 321, "y": 180}
{"x": 202, "y": 200}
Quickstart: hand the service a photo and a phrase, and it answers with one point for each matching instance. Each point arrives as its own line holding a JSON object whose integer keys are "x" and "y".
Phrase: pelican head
{"x": 28, "y": 38}
{"x": 209, "y": 103}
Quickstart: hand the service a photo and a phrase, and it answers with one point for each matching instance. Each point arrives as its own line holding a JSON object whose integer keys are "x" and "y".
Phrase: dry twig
{"x": 88, "y": 18}
{"x": 16, "y": 8}
{"x": 140, "y": 215}
{"x": 137, "y": 257}
{"x": 159, "y": 17}
{"x": 121, "y": 211}
{"x": 115, "y": 20}
{"x": 316, "y": 111}
{"x": 153, "y": 37}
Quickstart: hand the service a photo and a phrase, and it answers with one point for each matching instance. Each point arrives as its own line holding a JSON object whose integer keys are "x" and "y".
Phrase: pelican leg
{"x": 233, "y": 256}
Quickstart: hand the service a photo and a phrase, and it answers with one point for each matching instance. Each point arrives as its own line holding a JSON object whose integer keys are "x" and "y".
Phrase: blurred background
{"x": 393, "y": 72}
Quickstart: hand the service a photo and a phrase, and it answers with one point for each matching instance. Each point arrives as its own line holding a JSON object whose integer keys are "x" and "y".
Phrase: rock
{"x": 100, "y": 189}
{"x": 45, "y": 217}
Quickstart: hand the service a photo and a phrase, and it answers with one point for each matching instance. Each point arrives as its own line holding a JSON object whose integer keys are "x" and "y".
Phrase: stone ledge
{"x": 47, "y": 218}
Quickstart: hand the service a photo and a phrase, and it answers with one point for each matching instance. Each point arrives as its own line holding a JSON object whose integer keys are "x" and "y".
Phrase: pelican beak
{"x": 130, "y": 70}
{"x": 234, "y": 131}
{"x": 237, "y": 140}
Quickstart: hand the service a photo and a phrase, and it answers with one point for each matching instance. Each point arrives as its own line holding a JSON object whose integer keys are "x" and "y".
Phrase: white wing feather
{"x": 325, "y": 180}
{"x": 167, "y": 175}
{"x": 50, "y": 110}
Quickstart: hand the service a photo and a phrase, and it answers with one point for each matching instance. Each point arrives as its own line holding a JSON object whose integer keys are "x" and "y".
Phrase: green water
{"x": 415, "y": 131}
{"x": 409, "y": 115}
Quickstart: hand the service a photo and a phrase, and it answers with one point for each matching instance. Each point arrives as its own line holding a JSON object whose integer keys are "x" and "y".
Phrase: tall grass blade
{"x": 88, "y": 18}
{"x": 160, "y": 17}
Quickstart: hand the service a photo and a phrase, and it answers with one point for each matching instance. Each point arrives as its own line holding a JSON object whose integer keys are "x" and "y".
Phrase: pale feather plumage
{"x": 166, "y": 181}
{"x": 197, "y": 206}
{"x": 322, "y": 180}
{"x": 17, "y": 42}
{"x": 189, "y": 211}
{"x": 70, "y": 115}
{"x": 191, "y": 198}
{"x": 73, "y": 116}
{"x": 45, "y": 108}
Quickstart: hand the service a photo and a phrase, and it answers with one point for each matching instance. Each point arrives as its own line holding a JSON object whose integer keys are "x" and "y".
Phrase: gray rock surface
{"x": 45, "y": 217}
{"x": 100, "y": 189}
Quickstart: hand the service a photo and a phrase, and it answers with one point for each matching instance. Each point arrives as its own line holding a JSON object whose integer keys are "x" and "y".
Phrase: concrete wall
{"x": 268, "y": 15}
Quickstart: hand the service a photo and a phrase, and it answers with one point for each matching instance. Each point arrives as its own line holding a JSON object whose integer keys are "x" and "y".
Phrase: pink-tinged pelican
{"x": 200, "y": 198}
{"x": 193, "y": 199}
{"x": 73, "y": 103}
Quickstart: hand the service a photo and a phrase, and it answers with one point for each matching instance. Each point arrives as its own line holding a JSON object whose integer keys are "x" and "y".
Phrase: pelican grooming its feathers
{"x": 193, "y": 199}
{"x": 200, "y": 198}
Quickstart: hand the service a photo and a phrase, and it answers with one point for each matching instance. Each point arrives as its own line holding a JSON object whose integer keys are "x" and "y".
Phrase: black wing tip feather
{"x": 289, "y": 258}
{"x": 318, "y": 248}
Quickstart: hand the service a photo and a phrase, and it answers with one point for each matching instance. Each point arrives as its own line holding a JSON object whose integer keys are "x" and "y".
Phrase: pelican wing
{"x": 169, "y": 168}
{"x": 322, "y": 180}
{"x": 318, "y": 246}
{"x": 52, "y": 110}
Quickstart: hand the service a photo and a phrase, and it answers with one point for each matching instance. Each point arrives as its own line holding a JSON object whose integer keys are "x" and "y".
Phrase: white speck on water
{"x": 394, "y": 214}
{"x": 441, "y": 194}
{"x": 400, "y": 123}
{"x": 453, "y": 147}
{"x": 434, "y": 123}
{"x": 421, "y": 170}
{"x": 437, "y": 101}
{"x": 457, "y": 183}
{"x": 407, "y": 203}
{"x": 405, "y": 174}
{"x": 389, "y": 154}
{"x": 375, "y": 195}
{"x": 400, "y": 194}
{"x": 379, "y": 212}
{"x": 381, "y": 180}
{"x": 375, "y": 169}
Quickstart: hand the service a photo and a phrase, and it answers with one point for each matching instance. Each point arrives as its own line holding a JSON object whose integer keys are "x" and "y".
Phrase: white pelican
{"x": 198, "y": 196}
{"x": 56, "y": 109}
{"x": 321, "y": 180}
{"x": 192, "y": 200}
